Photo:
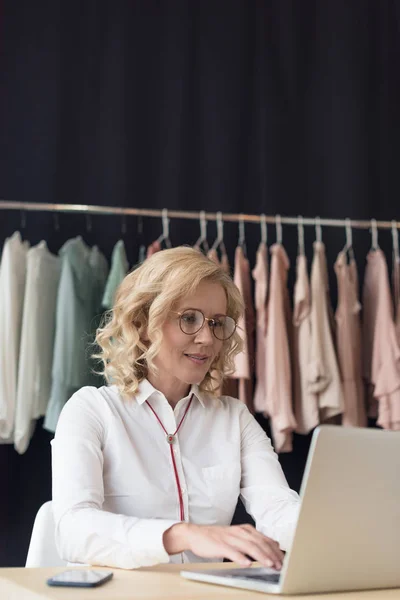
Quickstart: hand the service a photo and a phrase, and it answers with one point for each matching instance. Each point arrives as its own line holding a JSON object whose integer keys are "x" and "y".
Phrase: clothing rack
{"x": 89, "y": 209}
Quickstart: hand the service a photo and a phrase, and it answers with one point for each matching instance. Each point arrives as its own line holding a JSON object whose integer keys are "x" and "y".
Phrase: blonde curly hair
{"x": 143, "y": 303}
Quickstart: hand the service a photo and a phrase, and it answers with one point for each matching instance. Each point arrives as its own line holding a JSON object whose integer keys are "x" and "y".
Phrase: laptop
{"x": 348, "y": 531}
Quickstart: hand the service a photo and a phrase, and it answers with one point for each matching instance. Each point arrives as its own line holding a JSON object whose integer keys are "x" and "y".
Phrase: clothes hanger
{"x": 164, "y": 237}
{"x": 348, "y": 247}
{"x": 374, "y": 235}
{"x": 278, "y": 226}
{"x": 318, "y": 230}
{"x": 300, "y": 235}
{"x": 202, "y": 243}
{"x": 219, "y": 242}
{"x": 242, "y": 236}
{"x": 263, "y": 225}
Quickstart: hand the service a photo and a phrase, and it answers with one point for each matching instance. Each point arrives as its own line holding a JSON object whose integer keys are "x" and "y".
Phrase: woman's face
{"x": 187, "y": 358}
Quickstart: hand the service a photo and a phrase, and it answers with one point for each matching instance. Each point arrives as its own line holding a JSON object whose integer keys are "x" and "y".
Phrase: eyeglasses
{"x": 192, "y": 320}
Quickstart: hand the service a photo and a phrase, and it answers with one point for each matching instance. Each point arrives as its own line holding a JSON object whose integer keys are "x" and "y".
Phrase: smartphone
{"x": 84, "y": 578}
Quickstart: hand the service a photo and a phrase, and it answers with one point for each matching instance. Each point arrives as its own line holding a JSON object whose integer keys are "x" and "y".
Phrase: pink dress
{"x": 323, "y": 375}
{"x": 278, "y": 366}
{"x": 229, "y": 386}
{"x": 348, "y": 341}
{"x": 244, "y": 362}
{"x": 305, "y": 403}
{"x": 260, "y": 276}
{"x": 153, "y": 248}
{"x": 382, "y": 352}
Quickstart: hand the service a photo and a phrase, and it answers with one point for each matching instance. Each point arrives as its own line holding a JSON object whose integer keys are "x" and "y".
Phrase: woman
{"x": 150, "y": 468}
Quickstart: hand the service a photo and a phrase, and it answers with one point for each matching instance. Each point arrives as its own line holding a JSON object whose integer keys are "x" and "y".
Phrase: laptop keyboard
{"x": 254, "y": 574}
{"x": 268, "y": 578}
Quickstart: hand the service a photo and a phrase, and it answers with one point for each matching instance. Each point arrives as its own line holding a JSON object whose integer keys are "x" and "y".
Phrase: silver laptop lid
{"x": 348, "y": 532}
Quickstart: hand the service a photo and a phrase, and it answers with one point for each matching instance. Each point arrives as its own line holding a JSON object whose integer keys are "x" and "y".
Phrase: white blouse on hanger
{"x": 12, "y": 289}
{"x": 37, "y": 342}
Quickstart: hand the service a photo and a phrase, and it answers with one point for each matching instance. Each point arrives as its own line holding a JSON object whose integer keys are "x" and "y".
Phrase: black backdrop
{"x": 236, "y": 105}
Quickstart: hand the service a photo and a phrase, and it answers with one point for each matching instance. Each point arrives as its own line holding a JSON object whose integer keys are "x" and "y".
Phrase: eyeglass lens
{"x": 191, "y": 321}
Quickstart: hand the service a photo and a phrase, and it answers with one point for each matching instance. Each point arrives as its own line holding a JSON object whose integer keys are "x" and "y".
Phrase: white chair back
{"x": 42, "y": 547}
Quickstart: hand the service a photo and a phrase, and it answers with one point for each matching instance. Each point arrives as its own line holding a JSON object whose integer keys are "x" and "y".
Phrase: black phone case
{"x": 53, "y": 583}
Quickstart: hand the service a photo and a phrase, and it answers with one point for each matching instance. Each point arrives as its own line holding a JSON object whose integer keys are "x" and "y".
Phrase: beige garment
{"x": 229, "y": 386}
{"x": 348, "y": 341}
{"x": 278, "y": 366}
{"x": 260, "y": 276}
{"x": 359, "y": 340}
{"x": 324, "y": 375}
{"x": 305, "y": 403}
{"x": 383, "y": 352}
{"x": 244, "y": 361}
{"x": 153, "y": 248}
{"x": 212, "y": 255}
{"x": 224, "y": 263}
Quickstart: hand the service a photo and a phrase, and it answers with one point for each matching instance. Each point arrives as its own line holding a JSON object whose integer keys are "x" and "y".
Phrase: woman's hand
{"x": 238, "y": 543}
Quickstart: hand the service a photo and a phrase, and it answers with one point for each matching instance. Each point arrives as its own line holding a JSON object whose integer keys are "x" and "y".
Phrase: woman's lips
{"x": 198, "y": 359}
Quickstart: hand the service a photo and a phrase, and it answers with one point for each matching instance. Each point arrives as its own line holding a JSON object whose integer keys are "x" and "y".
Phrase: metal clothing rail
{"x": 90, "y": 209}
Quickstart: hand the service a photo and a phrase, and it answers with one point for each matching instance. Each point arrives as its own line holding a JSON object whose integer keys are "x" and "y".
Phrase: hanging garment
{"x": 153, "y": 248}
{"x": 305, "y": 402}
{"x": 119, "y": 268}
{"x": 369, "y": 300}
{"x": 213, "y": 255}
{"x": 224, "y": 263}
{"x": 382, "y": 352}
{"x": 99, "y": 267}
{"x": 260, "y": 276}
{"x": 37, "y": 341}
{"x": 244, "y": 362}
{"x": 83, "y": 277}
{"x": 12, "y": 290}
{"x": 348, "y": 342}
{"x": 396, "y": 295}
{"x": 324, "y": 375}
{"x": 278, "y": 366}
{"x": 229, "y": 386}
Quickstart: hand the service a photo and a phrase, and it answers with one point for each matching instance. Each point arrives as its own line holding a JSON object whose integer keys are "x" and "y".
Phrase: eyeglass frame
{"x": 206, "y": 319}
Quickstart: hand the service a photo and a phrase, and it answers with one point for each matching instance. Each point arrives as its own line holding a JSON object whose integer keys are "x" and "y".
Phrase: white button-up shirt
{"x": 114, "y": 487}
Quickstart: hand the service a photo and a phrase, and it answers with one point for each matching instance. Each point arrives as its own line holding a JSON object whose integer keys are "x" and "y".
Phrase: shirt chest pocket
{"x": 223, "y": 485}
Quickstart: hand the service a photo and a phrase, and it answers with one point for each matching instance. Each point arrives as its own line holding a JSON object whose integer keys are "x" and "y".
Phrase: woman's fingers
{"x": 263, "y": 555}
{"x": 263, "y": 539}
{"x": 236, "y": 556}
{"x": 258, "y": 546}
{"x": 237, "y": 543}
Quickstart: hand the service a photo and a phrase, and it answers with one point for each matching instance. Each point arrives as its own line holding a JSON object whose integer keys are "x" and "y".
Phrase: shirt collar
{"x": 146, "y": 390}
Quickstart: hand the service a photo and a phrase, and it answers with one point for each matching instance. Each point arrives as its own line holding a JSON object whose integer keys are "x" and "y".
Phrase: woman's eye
{"x": 189, "y": 318}
{"x": 218, "y": 323}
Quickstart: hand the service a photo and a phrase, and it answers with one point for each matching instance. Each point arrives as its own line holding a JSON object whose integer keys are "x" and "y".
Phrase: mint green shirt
{"x": 119, "y": 268}
{"x": 84, "y": 274}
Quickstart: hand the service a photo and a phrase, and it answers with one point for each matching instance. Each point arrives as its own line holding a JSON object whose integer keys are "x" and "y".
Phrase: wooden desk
{"x": 162, "y": 582}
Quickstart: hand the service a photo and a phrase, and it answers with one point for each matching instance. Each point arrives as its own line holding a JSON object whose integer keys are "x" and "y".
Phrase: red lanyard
{"x": 171, "y": 441}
